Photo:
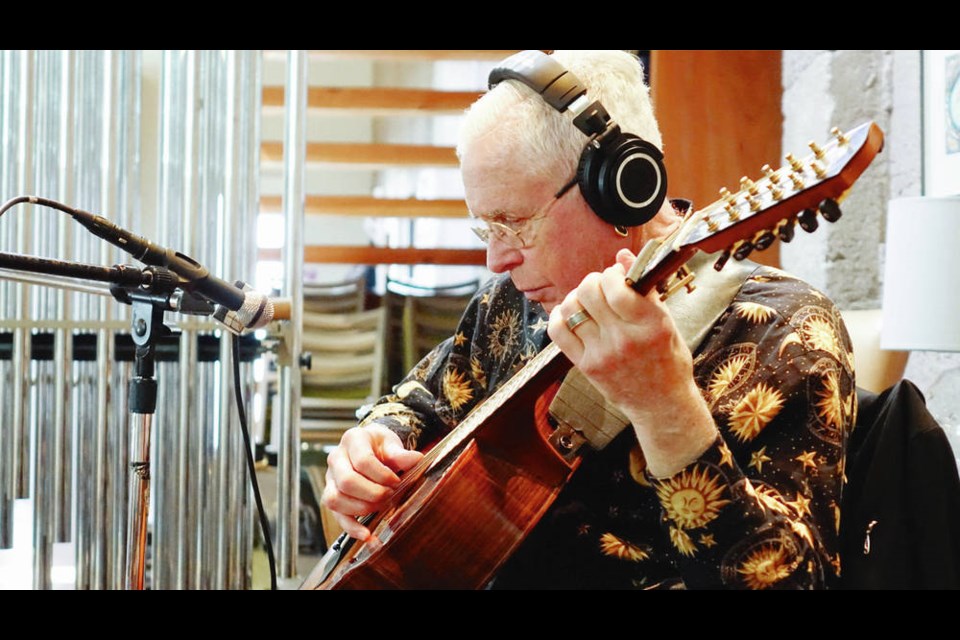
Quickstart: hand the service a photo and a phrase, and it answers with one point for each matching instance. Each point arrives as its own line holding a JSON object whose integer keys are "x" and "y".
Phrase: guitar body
{"x": 459, "y": 522}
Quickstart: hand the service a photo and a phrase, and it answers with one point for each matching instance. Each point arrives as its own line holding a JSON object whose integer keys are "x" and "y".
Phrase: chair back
{"x": 346, "y": 372}
{"x": 900, "y": 512}
{"x": 346, "y": 296}
{"x": 419, "y": 318}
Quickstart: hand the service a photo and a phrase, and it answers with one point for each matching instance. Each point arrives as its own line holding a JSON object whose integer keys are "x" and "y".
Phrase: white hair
{"x": 544, "y": 141}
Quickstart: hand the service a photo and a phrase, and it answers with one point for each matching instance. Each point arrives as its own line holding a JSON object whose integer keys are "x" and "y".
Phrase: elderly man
{"x": 730, "y": 472}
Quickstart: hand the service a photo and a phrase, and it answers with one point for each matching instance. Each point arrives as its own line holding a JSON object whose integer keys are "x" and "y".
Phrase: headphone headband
{"x": 621, "y": 176}
{"x": 558, "y": 87}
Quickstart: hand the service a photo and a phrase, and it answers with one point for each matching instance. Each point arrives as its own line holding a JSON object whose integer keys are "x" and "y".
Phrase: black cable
{"x": 250, "y": 464}
{"x": 53, "y": 204}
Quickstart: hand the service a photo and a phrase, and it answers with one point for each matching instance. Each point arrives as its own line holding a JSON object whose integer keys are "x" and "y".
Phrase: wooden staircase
{"x": 327, "y": 103}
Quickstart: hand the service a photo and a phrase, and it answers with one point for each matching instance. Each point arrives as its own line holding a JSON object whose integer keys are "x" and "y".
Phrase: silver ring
{"x": 577, "y": 319}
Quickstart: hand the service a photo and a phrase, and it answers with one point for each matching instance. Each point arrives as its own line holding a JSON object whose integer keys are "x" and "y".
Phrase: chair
{"x": 419, "y": 318}
{"x": 900, "y": 512}
{"x": 877, "y": 369}
{"x": 345, "y": 296}
{"x": 347, "y": 353}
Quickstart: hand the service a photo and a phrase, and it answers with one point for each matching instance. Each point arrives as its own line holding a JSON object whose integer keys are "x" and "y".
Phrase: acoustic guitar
{"x": 460, "y": 513}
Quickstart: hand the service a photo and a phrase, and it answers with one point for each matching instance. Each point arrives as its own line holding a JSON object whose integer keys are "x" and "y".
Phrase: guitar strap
{"x": 584, "y": 416}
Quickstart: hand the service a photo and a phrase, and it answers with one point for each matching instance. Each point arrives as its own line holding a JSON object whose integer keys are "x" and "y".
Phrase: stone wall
{"x": 822, "y": 89}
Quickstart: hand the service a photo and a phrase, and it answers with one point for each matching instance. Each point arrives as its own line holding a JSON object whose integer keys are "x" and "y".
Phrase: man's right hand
{"x": 362, "y": 473}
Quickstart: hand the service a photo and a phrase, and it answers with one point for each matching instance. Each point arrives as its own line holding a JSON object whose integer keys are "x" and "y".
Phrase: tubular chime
{"x": 165, "y": 144}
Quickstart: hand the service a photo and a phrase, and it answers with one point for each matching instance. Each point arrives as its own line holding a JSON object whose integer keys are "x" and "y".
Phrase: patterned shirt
{"x": 759, "y": 509}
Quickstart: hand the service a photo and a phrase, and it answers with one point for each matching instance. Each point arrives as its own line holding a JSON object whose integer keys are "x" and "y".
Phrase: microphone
{"x": 239, "y": 306}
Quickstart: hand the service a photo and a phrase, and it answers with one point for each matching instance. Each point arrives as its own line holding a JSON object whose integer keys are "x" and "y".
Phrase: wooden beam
{"x": 382, "y": 255}
{"x": 378, "y": 101}
{"x": 367, "y": 156}
{"x": 373, "y": 207}
{"x": 387, "y": 55}
{"x": 384, "y": 55}
{"x": 712, "y": 133}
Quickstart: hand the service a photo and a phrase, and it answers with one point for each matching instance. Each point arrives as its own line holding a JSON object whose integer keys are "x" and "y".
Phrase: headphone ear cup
{"x": 624, "y": 181}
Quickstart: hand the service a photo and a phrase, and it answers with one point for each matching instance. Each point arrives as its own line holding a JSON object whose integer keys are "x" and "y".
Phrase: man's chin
{"x": 541, "y": 296}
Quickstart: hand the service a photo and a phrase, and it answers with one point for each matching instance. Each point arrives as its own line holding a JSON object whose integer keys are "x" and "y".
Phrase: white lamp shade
{"x": 921, "y": 288}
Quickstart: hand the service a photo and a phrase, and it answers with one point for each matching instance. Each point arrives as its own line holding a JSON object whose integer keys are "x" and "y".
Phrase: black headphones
{"x": 621, "y": 176}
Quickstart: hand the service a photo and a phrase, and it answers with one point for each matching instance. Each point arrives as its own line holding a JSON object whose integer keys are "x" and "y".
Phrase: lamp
{"x": 921, "y": 291}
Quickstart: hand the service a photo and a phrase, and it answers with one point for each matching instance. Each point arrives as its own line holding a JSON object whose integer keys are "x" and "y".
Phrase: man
{"x": 730, "y": 473}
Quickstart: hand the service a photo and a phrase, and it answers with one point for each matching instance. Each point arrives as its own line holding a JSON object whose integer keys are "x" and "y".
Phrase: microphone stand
{"x": 151, "y": 292}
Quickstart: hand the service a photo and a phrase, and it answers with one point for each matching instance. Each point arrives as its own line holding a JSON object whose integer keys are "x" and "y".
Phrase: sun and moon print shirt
{"x": 759, "y": 509}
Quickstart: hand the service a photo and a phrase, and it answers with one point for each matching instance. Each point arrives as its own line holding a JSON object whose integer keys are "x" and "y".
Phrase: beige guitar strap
{"x": 584, "y": 415}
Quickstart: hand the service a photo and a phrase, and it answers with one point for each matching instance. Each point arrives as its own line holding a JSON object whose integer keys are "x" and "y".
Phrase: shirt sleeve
{"x": 497, "y": 335}
{"x": 760, "y": 508}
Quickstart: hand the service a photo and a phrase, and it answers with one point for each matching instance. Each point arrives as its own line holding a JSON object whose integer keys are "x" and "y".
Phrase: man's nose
{"x": 501, "y": 257}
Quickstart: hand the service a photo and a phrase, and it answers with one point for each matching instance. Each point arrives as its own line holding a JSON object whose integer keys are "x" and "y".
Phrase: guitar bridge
{"x": 682, "y": 279}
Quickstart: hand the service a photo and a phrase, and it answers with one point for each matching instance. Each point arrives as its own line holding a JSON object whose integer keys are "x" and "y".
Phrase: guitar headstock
{"x": 768, "y": 208}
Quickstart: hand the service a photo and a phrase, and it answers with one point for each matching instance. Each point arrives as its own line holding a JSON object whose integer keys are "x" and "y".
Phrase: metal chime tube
{"x": 235, "y": 253}
{"x": 169, "y": 444}
{"x": 215, "y": 157}
{"x": 106, "y": 437}
{"x": 44, "y": 432}
{"x": 6, "y": 311}
{"x": 288, "y": 458}
{"x": 247, "y": 188}
{"x": 70, "y": 127}
{"x": 202, "y": 488}
{"x": 17, "y": 70}
{"x": 63, "y": 344}
{"x": 24, "y": 311}
{"x": 173, "y": 553}
{"x": 106, "y": 174}
{"x": 229, "y": 219}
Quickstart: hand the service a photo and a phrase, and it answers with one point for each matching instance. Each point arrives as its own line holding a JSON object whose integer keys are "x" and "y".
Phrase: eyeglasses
{"x": 518, "y": 234}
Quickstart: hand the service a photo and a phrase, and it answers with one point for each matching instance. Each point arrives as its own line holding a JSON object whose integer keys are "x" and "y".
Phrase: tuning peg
{"x": 770, "y": 174}
{"x": 796, "y": 180}
{"x": 817, "y": 150}
{"x": 795, "y": 164}
{"x": 743, "y": 250}
{"x": 775, "y": 191}
{"x": 763, "y": 240}
{"x": 753, "y": 202}
{"x": 839, "y": 135}
{"x": 749, "y": 185}
{"x": 808, "y": 220}
{"x": 787, "y": 229}
{"x": 818, "y": 169}
{"x": 727, "y": 196}
{"x": 830, "y": 210}
{"x": 711, "y": 223}
{"x": 722, "y": 260}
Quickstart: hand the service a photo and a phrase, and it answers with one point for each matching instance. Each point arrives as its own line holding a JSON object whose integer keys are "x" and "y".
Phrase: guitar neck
{"x": 762, "y": 211}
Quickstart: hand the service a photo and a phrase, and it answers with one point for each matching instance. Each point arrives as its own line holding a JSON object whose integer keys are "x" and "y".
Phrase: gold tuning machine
{"x": 795, "y": 164}
{"x": 682, "y": 279}
{"x": 770, "y": 174}
{"x": 839, "y": 135}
